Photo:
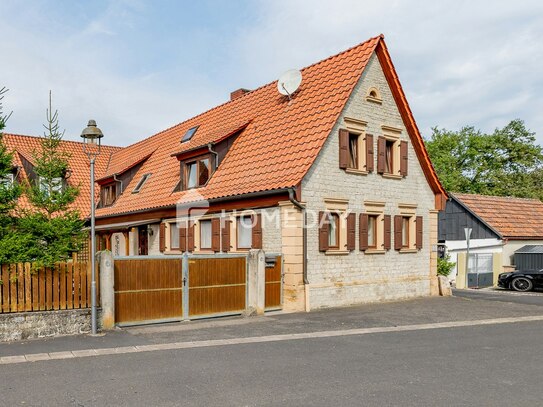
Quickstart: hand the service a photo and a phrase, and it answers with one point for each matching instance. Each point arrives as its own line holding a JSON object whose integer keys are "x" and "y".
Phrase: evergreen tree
{"x": 9, "y": 193}
{"x": 50, "y": 229}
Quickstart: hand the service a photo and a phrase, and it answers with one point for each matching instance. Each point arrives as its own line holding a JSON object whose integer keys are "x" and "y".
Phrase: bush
{"x": 445, "y": 266}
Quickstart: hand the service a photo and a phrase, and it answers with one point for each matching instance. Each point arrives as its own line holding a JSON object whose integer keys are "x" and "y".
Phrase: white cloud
{"x": 461, "y": 63}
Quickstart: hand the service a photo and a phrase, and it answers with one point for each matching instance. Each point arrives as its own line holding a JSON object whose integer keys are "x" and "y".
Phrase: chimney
{"x": 238, "y": 93}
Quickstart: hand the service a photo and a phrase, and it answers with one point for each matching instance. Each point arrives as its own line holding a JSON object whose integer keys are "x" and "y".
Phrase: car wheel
{"x": 521, "y": 284}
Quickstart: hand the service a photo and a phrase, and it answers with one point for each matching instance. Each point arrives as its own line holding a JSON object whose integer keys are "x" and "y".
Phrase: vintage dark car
{"x": 521, "y": 280}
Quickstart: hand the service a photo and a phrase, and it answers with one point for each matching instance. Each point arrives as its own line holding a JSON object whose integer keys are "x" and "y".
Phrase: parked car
{"x": 521, "y": 280}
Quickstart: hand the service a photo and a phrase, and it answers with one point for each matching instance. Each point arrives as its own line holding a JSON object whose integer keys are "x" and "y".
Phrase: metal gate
{"x": 481, "y": 272}
{"x": 159, "y": 289}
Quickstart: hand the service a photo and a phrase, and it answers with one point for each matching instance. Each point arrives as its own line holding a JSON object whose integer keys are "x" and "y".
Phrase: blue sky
{"x": 138, "y": 67}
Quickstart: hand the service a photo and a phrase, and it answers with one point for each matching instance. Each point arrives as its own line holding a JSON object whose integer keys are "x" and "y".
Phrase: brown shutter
{"x": 397, "y": 232}
{"x": 226, "y": 235}
{"x": 216, "y": 234}
{"x": 343, "y": 148}
{"x": 182, "y": 235}
{"x": 363, "y": 231}
{"x": 190, "y": 236}
{"x": 323, "y": 231}
{"x": 403, "y": 158}
{"x": 162, "y": 238}
{"x": 257, "y": 231}
{"x": 419, "y": 232}
{"x": 387, "y": 227}
{"x": 351, "y": 231}
{"x": 369, "y": 152}
{"x": 381, "y": 151}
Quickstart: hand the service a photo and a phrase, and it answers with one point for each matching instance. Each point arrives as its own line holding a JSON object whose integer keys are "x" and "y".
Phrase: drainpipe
{"x": 210, "y": 148}
{"x": 304, "y": 234}
{"x": 119, "y": 181}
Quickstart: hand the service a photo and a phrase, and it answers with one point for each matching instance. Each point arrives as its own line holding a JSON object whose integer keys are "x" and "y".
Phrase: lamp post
{"x": 91, "y": 137}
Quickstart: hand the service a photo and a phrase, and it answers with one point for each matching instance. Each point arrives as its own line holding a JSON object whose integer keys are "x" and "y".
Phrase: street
{"x": 422, "y": 352}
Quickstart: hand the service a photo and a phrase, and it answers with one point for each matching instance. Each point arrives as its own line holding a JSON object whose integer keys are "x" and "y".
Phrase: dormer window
{"x": 55, "y": 185}
{"x": 188, "y": 135}
{"x": 141, "y": 183}
{"x": 108, "y": 194}
{"x": 197, "y": 172}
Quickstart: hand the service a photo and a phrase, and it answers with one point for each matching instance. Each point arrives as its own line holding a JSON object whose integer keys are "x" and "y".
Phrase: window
{"x": 205, "y": 234}
{"x": 108, "y": 194}
{"x": 54, "y": 185}
{"x": 244, "y": 232}
{"x": 333, "y": 231}
{"x": 389, "y": 157}
{"x": 374, "y": 95}
{"x": 197, "y": 172}
{"x": 355, "y": 147}
{"x": 353, "y": 150}
{"x": 405, "y": 231}
{"x": 141, "y": 183}
{"x": 6, "y": 181}
{"x": 392, "y": 153}
{"x": 189, "y": 133}
{"x": 174, "y": 236}
{"x": 372, "y": 231}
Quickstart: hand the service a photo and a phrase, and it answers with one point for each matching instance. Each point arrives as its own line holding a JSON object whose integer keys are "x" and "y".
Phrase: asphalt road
{"x": 490, "y": 365}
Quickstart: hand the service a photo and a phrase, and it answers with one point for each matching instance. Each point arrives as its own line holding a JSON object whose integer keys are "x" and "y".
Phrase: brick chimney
{"x": 238, "y": 93}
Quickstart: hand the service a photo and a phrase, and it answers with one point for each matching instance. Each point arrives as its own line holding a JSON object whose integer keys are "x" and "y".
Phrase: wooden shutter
{"x": 162, "y": 237}
{"x": 369, "y": 152}
{"x": 419, "y": 232}
{"x": 363, "y": 237}
{"x": 403, "y": 158}
{"x": 381, "y": 151}
{"x": 343, "y": 148}
{"x": 351, "y": 231}
{"x": 190, "y": 237}
{"x": 387, "y": 236}
{"x": 323, "y": 231}
{"x": 225, "y": 232}
{"x": 397, "y": 232}
{"x": 216, "y": 234}
{"x": 257, "y": 231}
{"x": 182, "y": 235}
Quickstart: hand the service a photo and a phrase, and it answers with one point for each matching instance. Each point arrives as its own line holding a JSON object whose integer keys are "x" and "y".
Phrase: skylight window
{"x": 188, "y": 135}
{"x": 140, "y": 183}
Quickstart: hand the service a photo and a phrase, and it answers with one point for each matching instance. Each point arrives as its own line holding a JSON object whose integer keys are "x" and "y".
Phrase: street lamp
{"x": 91, "y": 138}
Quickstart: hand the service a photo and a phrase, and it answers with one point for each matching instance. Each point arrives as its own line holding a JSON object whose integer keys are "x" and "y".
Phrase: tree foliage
{"x": 507, "y": 162}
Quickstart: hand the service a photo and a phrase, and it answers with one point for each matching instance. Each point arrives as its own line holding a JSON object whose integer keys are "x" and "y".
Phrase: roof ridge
{"x": 62, "y": 140}
{"x": 380, "y": 36}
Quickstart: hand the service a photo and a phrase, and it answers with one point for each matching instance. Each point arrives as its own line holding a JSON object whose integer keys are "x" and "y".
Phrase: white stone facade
{"x": 357, "y": 277}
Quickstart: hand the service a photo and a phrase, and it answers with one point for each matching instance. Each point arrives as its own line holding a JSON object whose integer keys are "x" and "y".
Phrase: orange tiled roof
{"x": 513, "y": 218}
{"x": 24, "y": 146}
{"x": 278, "y": 143}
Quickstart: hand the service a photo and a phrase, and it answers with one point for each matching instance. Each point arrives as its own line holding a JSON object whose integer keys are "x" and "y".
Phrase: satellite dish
{"x": 289, "y": 82}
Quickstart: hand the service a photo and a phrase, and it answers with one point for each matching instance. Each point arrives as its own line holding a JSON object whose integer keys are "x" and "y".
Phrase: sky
{"x": 139, "y": 67}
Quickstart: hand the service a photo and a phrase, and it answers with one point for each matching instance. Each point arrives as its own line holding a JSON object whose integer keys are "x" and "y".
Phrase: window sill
{"x": 173, "y": 251}
{"x": 374, "y": 100}
{"x": 391, "y": 176}
{"x": 336, "y": 252}
{"x": 408, "y": 251}
{"x": 356, "y": 171}
{"x": 375, "y": 251}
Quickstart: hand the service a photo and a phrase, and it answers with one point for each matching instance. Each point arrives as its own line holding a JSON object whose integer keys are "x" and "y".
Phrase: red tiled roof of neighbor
{"x": 513, "y": 218}
{"x": 278, "y": 142}
{"x": 24, "y": 146}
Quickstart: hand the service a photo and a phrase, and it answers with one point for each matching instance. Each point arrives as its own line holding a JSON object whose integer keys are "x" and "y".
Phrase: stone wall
{"x": 356, "y": 277}
{"x": 40, "y": 324}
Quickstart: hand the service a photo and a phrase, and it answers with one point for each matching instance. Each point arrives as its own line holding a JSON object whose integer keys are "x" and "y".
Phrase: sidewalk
{"x": 406, "y": 313}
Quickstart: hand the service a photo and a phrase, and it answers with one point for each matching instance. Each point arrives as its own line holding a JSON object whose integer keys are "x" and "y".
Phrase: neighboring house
{"x": 500, "y": 225}
{"x": 23, "y": 148}
{"x": 345, "y": 147}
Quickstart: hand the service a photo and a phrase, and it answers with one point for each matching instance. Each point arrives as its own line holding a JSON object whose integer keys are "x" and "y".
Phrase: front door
{"x": 142, "y": 241}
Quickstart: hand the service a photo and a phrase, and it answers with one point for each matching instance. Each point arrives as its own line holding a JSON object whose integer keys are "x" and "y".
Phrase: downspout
{"x": 210, "y": 148}
{"x": 119, "y": 181}
{"x": 302, "y": 208}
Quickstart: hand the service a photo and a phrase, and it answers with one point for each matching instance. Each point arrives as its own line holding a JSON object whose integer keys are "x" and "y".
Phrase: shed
{"x": 529, "y": 257}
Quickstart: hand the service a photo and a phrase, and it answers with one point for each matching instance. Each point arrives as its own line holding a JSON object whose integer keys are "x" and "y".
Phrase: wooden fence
{"x": 26, "y": 288}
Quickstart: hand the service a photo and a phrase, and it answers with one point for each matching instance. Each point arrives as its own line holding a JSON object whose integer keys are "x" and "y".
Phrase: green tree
{"x": 9, "y": 193}
{"x": 507, "y": 162}
{"x": 50, "y": 230}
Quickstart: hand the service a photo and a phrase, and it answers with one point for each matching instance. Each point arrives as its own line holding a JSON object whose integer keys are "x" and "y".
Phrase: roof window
{"x": 141, "y": 183}
{"x": 188, "y": 135}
